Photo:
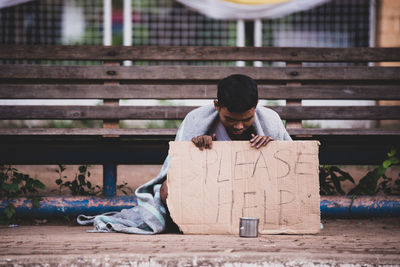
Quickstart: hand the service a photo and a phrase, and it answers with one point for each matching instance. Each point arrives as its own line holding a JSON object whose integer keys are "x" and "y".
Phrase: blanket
{"x": 150, "y": 216}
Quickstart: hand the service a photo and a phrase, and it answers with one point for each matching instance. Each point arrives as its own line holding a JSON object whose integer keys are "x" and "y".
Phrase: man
{"x": 236, "y": 106}
{"x": 233, "y": 116}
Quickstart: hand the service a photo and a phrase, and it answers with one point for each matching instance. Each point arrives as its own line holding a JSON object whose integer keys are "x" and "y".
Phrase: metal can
{"x": 248, "y": 227}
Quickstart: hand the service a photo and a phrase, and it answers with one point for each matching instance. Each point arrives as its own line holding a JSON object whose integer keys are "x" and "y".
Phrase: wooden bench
{"x": 36, "y": 72}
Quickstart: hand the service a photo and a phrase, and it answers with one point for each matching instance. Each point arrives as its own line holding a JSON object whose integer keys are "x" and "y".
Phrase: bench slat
{"x": 171, "y": 132}
{"x": 209, "y": 73}
{"x": 143, "y": 132}
{"x": 193, "y": 91}
{"x": 179, "y": 112}
{"x": 112, "y": 53}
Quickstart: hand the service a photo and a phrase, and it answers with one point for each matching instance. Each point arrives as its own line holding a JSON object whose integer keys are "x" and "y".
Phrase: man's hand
{"x": 204, "y": 141}
{"x": 259, "y": 140}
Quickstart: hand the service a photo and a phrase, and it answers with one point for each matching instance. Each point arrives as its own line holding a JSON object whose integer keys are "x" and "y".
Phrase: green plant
{"x": 368, "y": 185}
{"x": 13, "y": 184}
{"x": 80, "y": 185}
{"x": 330, "y": 179}
{"x": 59, "y": 181}
{"x": 375, "y": 181}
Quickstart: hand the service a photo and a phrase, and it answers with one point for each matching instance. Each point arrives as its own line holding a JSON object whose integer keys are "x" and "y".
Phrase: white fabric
{"x": 220, "y": 9}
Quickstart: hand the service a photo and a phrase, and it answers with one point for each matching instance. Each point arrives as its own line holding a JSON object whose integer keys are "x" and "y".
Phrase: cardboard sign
{"x": 209, "y": 190}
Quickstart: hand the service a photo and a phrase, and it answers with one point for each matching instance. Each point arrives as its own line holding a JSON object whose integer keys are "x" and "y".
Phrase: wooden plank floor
{"x": 367, "y": 241}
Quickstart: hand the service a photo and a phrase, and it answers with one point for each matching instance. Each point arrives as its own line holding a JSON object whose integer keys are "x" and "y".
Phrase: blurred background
{"x": 319, "y": 23}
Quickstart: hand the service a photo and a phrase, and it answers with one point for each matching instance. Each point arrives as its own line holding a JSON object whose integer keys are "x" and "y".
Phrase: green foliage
{"x": 369, "y": 185}
{"x": 375, "y": 181}
{"x": 330, "y": 179}
{"x": 80, "y": 185}
{"x": 14, "y": 184}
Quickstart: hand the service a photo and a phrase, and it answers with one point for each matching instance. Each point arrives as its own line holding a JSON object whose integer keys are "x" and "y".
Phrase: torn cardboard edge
{"x": 209, "y": 190}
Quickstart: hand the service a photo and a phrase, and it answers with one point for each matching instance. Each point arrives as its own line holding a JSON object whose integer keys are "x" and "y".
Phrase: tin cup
{"x": 248, "y": 227}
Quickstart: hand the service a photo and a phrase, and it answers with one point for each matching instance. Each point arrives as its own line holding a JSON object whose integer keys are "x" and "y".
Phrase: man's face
{"x": 235, "y": 123}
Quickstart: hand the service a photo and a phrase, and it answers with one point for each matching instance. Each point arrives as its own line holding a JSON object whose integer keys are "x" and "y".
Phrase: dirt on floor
{"x": 364, "y": 242}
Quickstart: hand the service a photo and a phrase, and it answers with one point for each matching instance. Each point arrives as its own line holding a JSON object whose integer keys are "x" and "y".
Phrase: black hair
{"x": 238, "y": 93}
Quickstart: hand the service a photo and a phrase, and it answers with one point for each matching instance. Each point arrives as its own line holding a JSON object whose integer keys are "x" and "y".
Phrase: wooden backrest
{"x": 41, "y": 76}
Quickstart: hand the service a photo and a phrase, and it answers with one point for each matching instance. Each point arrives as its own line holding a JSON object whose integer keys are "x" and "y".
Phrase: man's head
{"x": 237, "y": 101}
{"x": 238, "y": 93}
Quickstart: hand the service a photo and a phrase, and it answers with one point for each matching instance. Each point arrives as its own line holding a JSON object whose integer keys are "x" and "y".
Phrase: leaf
{"x": 28, "y": 184}
{"x": 82, "y": 168}
{"x": 39, "y": 184}
{"x": 123, "y": 191}
{"x": 13, "y": 188}
{"x": 367, "y": 184}
{"x": 386, "y": 164}
{"x": 379, "y": 171}
{"x": 336, "y": 183}
{"x": 325, "y": 188}
{"x": 58, "y": 181}
{"x": 88, "y": 174}
{"x": 89, "y": 184}
{"x": 392, "y": 153}
{"x": 345, "y": 175}
{"x": 82, "y": 179}
{"x": 74, "y": 187}
{"x": 62, "y": 167}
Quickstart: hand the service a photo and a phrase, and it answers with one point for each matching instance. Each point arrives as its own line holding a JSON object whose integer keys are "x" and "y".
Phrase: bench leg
{"x": 109, "y": 180}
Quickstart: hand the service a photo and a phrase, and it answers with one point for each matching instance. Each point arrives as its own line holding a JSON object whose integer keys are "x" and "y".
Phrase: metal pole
{"x": 127, "y": 39}
{"x": 240, "y": 38}
{"x": 257, "y": 38}
{"x": 109, "y": 180}
{"x": 331, "y": 206}
{"x": 107, "y": 23}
